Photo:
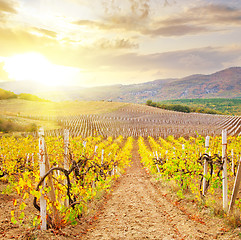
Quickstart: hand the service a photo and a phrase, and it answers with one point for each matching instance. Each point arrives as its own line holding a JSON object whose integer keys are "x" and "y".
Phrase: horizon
{"x": 110, "y": 85}
{"x": 101, "y": 43}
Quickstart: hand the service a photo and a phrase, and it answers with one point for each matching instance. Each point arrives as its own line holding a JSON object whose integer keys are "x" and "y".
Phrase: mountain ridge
{"x": 221, "y": 84}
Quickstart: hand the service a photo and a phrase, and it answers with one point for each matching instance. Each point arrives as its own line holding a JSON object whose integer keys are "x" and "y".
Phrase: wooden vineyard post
{"x": 205, "y": 166}
{"x": 33, "y": 159}
{"x": 52, "y": 191}
{"x": 44, "y": 167}
{"x": 102, "y": 156}
{"x": 235, "y": 187}
{"x": 232, "y": 161}
{"x": 66, "y": 159}
{"x": 157, "y": 158}
{"x": 27, "y": 158}
{"x": 42, "y": 155}
{"x": 96, "y": 147}
{"x": 66, "y": 149}
{"x": 225, "y": 174}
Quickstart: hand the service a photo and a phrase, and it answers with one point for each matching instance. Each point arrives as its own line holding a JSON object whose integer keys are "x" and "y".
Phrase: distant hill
{"x": 222, "y": 84}
{"x": 4, "y": 95}
{"x": 7, "y": 94}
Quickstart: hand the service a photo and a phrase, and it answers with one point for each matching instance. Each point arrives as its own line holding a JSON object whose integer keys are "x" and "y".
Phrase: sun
{"x": 34, "y": 66}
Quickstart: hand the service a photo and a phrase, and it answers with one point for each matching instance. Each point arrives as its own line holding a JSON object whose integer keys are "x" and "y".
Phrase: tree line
{"x": 181, "y": 108}
{"x": 4, "y": 94}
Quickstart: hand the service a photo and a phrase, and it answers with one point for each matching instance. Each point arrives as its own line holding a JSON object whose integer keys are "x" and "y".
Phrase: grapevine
{"x": 94, "y": 163}
{"x": 182, "y": 161}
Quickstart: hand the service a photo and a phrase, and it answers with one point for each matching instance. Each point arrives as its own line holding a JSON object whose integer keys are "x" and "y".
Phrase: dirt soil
{"x": 135, "y": 209}
{"x": 138, "y": 210}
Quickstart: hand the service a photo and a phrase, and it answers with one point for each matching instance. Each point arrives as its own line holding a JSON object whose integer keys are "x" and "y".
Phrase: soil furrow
{"x": 138, "y": 210}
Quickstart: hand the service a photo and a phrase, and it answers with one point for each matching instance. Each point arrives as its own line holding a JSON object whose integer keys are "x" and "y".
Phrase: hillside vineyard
{"x": 138, "y": 120}
{"x": 59, "y": 176}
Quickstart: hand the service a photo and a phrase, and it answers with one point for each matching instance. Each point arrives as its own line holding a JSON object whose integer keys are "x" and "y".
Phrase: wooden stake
{"x": 225, "y": 174}
{"x": 43, "y": 211}
{"x": 205, "y": 166}
{"x": 102, "y": 157}
{"x": 235, "y": 188}
{"x": 66, "y": 159}
{"x": 52, "y": 197}
{"x": 232, "y": 161}
{"x": 66, "y": 149}
{"x": 96, "y": 147}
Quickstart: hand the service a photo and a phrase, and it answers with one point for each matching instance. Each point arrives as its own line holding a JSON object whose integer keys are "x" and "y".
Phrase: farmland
{"x": 224, "y": 105}
{"x": 162, "y": 148}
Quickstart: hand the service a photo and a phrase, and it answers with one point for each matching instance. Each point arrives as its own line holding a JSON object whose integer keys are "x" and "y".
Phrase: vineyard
{"x": 52, "y": 179}
{"x": 182, "y": 161}
{"x": 139, "y": 120}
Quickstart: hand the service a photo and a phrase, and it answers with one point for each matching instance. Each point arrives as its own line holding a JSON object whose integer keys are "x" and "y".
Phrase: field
{"x": 43, "y": 114}
{"x": 222, "y": 105}
{"x": 123, "y": 170}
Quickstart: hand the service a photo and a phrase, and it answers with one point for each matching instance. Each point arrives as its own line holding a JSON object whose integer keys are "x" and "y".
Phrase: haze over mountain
{"x": 222, "y": 84}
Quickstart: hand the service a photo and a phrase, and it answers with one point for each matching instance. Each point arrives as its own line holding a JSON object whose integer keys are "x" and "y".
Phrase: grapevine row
{"x": 182, "y": 162}
{"x": 94, "y": 162}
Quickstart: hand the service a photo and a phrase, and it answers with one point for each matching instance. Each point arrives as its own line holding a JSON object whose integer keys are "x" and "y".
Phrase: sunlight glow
{"x": 35, "y": 67}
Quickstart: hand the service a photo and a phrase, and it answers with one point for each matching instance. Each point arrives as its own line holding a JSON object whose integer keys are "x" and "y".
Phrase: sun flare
{"x": 35, "y": 67}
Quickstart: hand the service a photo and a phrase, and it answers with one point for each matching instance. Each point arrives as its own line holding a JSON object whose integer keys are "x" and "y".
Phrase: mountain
{"x": 222, "y": 84}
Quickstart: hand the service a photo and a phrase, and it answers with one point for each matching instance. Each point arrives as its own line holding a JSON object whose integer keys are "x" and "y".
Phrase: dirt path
{"x": 137, "y": 210}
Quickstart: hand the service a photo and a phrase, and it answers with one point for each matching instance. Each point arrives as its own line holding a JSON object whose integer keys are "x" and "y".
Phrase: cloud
{"x": 138, "y": 8}
{"x": 45, "y": 32}
{"x": 195, "y": 20}
{"x": 221, "y": 14}
{"x": 101, "y": 55}
{"x": 211, "y": 15}
{"x": 130, "y": 15}
{"x": 17, "y": 40}
{"x": 90, "y": 23}
{"x": 115, "y": 44}
{"x": 115, "y": 22}
{"x": 95, "y": 56}
{"x": 134, "y": 67}
{"x": 171, "y": 64}
{"x": 175, "y": 30}
{"x": 8, "y": 6}
{"x": 214, "y": 14}
{"x": 178, "y": 62}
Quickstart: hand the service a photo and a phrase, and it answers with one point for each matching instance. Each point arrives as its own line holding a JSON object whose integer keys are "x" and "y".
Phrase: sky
{"x": 105, "y": 42}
